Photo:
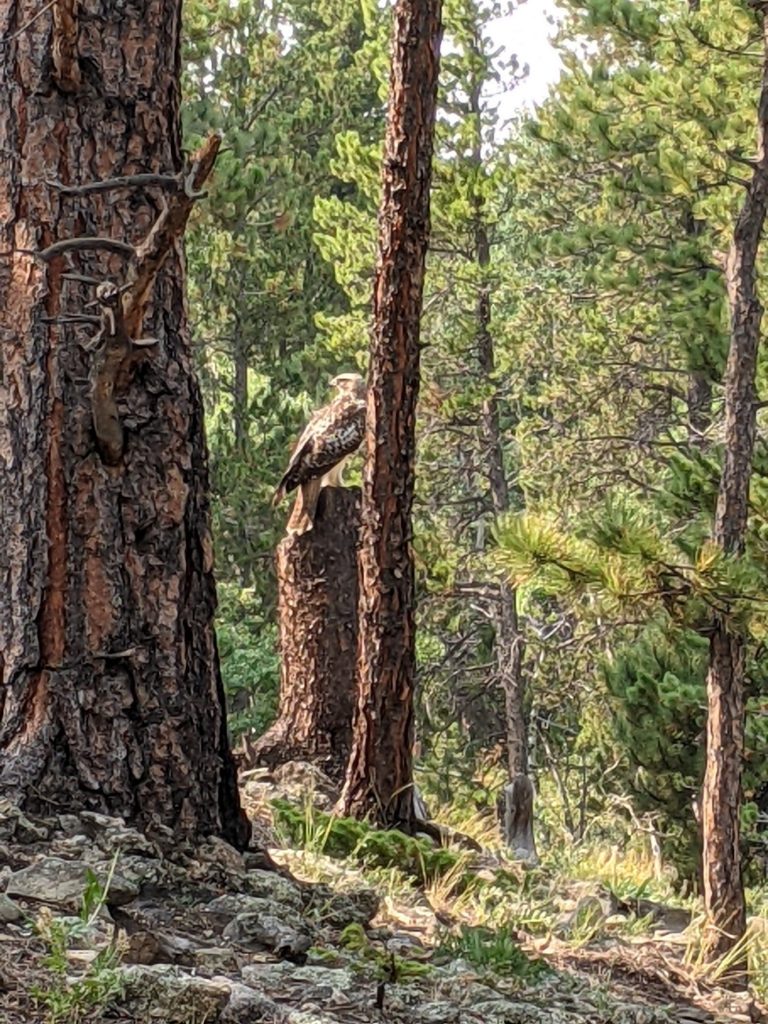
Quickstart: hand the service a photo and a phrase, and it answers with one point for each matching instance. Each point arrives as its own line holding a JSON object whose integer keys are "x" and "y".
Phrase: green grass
{"x": 65, "y": 1000}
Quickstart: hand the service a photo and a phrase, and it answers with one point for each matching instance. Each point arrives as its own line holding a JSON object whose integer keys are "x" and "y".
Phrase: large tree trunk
{"x": 317, "y": 600}
{"x": 721, "y": 794}
{"x": 380, "y": 774}
{"x": 111, "y": 693}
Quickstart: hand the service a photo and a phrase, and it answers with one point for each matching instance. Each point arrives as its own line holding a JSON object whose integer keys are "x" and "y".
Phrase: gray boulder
{"x": 62, "y": 883}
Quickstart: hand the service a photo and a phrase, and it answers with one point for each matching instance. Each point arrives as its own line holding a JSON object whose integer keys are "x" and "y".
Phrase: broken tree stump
{"x": 516, "y": 814}
{"x": 317, "y": 613}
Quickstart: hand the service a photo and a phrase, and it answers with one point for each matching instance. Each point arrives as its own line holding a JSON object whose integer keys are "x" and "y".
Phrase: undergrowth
{"x": 68, "y": 1000}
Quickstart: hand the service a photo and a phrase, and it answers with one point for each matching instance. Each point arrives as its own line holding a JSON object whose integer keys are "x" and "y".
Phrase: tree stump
{"x": 516, "y": 812}
{"x": 317, "y": 610}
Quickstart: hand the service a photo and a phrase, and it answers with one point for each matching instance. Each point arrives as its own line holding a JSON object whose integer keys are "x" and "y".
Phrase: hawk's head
{"x": 349, "y": 384}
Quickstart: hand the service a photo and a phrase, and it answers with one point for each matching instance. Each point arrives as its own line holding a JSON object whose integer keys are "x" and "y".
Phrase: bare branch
{"x": 154, "y": 250}
{"x": 172, "y": 182}
{"x": 86, "y": 242}
{"x": 27, "y": 24}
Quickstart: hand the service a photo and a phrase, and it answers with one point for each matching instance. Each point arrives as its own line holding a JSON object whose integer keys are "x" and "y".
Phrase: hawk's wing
{"x": 332, "y": 434}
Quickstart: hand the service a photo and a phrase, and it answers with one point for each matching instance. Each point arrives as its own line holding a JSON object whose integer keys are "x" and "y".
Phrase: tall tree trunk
{"x": 721, "y": 794}
{"x": 508, "y": 643}
{"x": 317, "y": 601}
{"x": 380, "y": 773}
{"x": 111, "y": 697}
{"x": 508, "y": 640}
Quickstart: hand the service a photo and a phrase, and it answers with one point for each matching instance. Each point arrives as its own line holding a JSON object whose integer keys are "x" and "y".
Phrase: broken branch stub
{"x": 122, "y": 308}
{"x": 107, "y": 364}
{"x": 169, "y": 226}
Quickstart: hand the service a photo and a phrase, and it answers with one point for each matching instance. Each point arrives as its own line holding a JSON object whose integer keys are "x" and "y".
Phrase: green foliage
{"x": 66, "y": 1000}
{"x": 606, "y": 216}
{"x": 386, "y": 966}
{"x": 496, "y": 951}
{"x": 249, "y": 662}
{"x": 347, "y": 838}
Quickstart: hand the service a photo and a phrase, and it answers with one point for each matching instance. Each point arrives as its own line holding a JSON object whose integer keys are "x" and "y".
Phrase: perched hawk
{"x": 331, "y": 436}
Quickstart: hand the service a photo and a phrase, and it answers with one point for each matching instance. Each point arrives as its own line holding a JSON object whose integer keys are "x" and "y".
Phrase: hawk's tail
{"x": 303, "y": 515}
{"x": 279, "y": 494}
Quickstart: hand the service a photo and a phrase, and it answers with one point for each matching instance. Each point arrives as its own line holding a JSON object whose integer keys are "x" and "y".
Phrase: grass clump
{"x": 66, "y": 1000}
{"x": 346, "y": 838}
{"x": 386, "y": 966}
{"x": 494, "y": 950}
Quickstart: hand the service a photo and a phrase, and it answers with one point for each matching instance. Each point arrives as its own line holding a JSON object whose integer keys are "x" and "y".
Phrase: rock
{"x": 215, "y": 959}
{"x": 63, "y": 882}
{"x": 338, "y": 909}
{"x": 171, "y": 996}
{"x": 501, "y": 1011}
{"x": 16, "y": 826}
{"x": 406, "y": 945}
{"x": 139, "y": 870}
{"x": 310, "y": 984}
{"x": 8, "y": 910}
{"x": 112, "y": 834}
{"x": 246, "y": 1006}
{"x": 299, "y": 780}
{"x": 142, "y": 948}
{"x": 269, "y": 885}
{"x": 266, "y": 930}
{"x": 216, "y": 851}
{"x": 439, "y": 1013}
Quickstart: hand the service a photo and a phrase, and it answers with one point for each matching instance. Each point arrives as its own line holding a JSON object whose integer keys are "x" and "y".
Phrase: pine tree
{"x": 112, "y": 693}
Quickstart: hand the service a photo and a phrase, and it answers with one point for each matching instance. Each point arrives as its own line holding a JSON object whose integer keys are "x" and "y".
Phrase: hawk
{"x": 331, "y": 436}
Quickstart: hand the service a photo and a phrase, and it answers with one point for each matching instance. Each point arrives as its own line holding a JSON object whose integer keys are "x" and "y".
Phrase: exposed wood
{"x": 380, "y": 775}
{"x": 317, "y": 610}
{"x": 110, "y": 692}
{"x": 721, "y": 792}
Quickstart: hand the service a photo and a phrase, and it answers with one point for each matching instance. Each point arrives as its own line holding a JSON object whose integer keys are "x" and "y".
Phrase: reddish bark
{"x": 111, "y": 693}
{"x": 380, "y": 775}
{"x": 721, "y": 793}
{"x": 317, "y": 599}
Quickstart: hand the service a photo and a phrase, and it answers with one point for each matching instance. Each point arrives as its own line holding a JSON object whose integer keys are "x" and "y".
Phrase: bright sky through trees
{"x": 528, "y": 33}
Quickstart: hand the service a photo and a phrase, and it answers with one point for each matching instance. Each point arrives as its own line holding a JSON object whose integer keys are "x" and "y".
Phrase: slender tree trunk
{"x": 380, "y": 773}
{"x": 240, "y": 390}
{"x": 317, "y": 601}
{"x": 721, "y": 794}
{"x": 508, "y": 644}
{"x": 508, "y": 641}
{"x": 111, "y": 697}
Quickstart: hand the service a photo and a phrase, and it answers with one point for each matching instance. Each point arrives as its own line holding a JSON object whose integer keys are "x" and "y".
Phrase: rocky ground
{"x": 101, "y": 923}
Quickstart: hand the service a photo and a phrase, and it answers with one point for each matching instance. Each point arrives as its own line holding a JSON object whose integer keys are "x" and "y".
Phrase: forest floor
{"x": 101, "y": 923}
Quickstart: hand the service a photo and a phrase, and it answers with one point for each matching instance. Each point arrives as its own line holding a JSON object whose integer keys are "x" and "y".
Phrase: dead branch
{"x": 64, "y": 46}
{"x": 171, "y": 182}
{"x": 118, "y": 341}
{"x": 86, "y": 242}
{"x": 107, "y": 366}
{"x": 169, "y": 226}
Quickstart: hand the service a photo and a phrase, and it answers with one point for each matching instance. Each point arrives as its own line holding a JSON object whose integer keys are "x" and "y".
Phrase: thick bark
{"x": 380, "y": 773}
{"x": 317, "y": 599}
{"x": 721, "y": 793}
{"x": 111, "y": 693}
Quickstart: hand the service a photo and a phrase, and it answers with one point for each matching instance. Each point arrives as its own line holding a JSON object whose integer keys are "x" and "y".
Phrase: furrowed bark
{"x": 380, "y": 774}
{"x": 721, "y": 793}
{"x": 317, "y": 611}
{"x": 111, "y": 697}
